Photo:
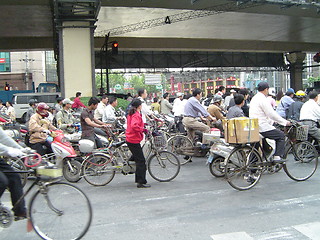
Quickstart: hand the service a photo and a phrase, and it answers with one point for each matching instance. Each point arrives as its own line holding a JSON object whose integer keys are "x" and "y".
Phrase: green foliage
{"x": 136, "y": 81}
{"x": 122, "y": 103}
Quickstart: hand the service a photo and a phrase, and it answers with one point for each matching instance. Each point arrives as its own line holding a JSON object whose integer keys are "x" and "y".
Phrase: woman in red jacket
{"x": 134, "y": 136}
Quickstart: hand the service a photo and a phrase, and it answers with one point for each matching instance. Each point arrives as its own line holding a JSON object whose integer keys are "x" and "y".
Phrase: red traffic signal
{"x": 115, "y": 46}
{"x": 7, "y": 87}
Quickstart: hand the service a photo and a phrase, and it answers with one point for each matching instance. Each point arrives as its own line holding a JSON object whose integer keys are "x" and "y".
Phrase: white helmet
{"x": 86, "y": 145}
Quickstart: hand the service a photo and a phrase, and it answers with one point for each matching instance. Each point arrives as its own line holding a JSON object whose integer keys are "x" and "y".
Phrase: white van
{"x": 20, "y": 102}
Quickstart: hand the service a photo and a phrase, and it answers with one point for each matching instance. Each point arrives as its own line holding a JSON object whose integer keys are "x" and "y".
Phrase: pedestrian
{"x": 10, "y": 111}
{"x": 134, "y": 136}
{"x": 155, "y": 106}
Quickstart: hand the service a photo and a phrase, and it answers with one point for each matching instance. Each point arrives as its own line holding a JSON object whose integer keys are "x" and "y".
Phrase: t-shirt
{"x": 86, "y": 129}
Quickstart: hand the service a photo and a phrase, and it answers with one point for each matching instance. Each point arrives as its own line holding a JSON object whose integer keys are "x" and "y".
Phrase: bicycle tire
{"x": 18, "y": 165}
{"x": 178, "y": 145}
{"x": 72, "y": 175}
{"x": 72, "y": 216}
{"x": 243, "y": 168}
{"x": 163, "y": 168}
{"x": 215, "y": 167}
{"x": 96, "y": 169}
{"x": 301, "y": 161}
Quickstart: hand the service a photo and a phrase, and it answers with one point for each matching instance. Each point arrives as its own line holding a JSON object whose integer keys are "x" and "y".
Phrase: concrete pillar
{"x": 296, "y": 61}
{"x": 76, "y": 56}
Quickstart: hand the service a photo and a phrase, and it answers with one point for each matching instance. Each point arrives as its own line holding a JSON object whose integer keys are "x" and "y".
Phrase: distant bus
{"x": 20, "y": 102}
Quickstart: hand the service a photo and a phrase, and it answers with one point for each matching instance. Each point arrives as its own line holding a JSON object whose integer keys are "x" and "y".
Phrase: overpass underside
{"x": 187, "y": 59}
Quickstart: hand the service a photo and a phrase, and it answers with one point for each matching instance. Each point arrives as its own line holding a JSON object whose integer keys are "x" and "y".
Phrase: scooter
{"x": 64, "y": 156}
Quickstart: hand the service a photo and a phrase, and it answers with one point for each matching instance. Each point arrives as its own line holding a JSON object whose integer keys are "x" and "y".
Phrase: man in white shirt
{"x": 109, "y": 114}
{"x": 142, "y": 95}
{"x": 310, "y": 114}
{"x": 98, "y": 113}
{"x": 261, "y": 108}
{"x": 178, "y": 110}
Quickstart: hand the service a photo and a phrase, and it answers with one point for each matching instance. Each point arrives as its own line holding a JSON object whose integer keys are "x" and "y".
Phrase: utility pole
{"x": 26, "y": 76}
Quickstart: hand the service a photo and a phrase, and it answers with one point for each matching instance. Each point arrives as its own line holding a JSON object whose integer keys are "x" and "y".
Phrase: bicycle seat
{"x": 118, "y": 144}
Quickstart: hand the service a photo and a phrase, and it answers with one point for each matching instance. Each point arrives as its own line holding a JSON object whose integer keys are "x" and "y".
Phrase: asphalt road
{"x": 197, "y": 205}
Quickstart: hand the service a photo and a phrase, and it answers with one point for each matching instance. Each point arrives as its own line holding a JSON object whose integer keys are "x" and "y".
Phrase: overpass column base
{"x": 76, "y": 59}
{"x": 296, "y": 61}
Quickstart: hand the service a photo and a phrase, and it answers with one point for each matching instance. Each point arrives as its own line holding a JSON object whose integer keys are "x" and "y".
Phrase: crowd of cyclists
{"x": 188, "y": 112}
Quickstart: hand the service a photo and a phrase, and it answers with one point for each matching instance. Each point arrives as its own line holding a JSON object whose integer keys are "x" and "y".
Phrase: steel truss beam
{"x": 152, "y": 60}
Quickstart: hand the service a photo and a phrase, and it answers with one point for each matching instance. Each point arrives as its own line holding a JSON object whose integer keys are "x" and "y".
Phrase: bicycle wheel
{"x": 98, "y": 169}
{"x": 71, "y": 172}
{"x": 18, "y": 165}
{"x": 301, "y": 161}
{"x": 243, "y": 168}
{"x": 180, "y": 145}
{"x": 217, "y": 167}
{"x": 163, "y": 166}
{"x": 60, "y": 211}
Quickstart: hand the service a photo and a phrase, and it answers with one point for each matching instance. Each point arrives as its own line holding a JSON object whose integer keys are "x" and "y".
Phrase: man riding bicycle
{"x": 192, "y": 110}
{"x": 261, "y": 108}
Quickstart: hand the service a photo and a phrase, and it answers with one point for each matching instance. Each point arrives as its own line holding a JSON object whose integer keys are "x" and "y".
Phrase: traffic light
{"x": 316, "y": 57}
{"x": 115, "y": 46}
{"x": 7, "y": 87}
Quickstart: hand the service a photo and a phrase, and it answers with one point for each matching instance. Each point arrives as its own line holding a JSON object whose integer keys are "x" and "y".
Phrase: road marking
{"x": 232, "y": 236}
{"x": 311, "y": 230}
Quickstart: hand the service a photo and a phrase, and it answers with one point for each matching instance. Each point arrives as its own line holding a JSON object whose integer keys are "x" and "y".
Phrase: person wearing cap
{"x": 192, "y": 110}
{"x": 216, "y": 111}
{"x": 31, "y": 110}
{"x": 64, "y": 118}
{"x": 285, "y": 103}
{"x": 310, "y": 114}
{"x": 260, "y": 108}
{"x": 295, "y": 108}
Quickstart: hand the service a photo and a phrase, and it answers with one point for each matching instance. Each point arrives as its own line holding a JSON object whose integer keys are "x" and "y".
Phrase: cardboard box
{"x": 241, "y": 130}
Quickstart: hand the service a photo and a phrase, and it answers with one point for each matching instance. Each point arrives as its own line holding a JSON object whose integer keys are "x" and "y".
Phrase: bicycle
{"x": 57, "y": 210}
{"x": 246, "y": 163}
{"x": 99, "y": 168}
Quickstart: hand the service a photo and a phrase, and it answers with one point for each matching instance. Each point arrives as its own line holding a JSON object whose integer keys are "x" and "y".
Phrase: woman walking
{"x": 134, "y": 136}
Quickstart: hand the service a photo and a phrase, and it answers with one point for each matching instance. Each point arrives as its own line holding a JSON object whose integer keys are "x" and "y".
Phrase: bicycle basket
{"x": 160, "y": 141}
{"x": 299, "y": 133}
{"x": 51, "y": 172}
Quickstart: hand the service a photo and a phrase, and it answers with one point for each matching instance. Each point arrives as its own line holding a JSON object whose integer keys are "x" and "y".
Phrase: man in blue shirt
{"x": 192, "y": 110}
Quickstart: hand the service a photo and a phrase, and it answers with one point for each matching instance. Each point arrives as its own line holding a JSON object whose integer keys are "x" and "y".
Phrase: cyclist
{"x": 65, "y": 119}
{"x": 285, "y": 103}
{"x": 236, "y": 110}
{"x": 294, "y": 109}
{"x": 142, "y": 95}
{"x": 39, "y": 128}
{"x": 310, "y": 114}
{"x": 77, "y": 104}
{"x": 98, "y": 113}
{"x": 216, "y": 111}
{"x": 31, "y": 110}
{"x": 12, "y": 181}
{"x": 192, "y": 110}
{"x": 166, "y": 107}
{"x": 261, "y": 108}
{"x": 88, "y": 122}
